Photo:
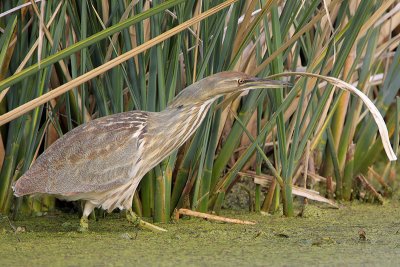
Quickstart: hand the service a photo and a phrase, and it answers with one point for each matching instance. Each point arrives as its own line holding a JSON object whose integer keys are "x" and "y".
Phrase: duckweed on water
{"x": 321, "y": 236}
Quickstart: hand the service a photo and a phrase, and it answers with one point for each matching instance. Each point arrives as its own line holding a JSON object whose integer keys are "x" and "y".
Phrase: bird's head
{"x": 223, "y": 83}
{"x": 231, "y": 82}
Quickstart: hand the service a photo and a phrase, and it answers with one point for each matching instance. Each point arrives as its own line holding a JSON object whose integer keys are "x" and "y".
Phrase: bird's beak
{"x": 262, "y": 83}
{"x": 251, "y": 83}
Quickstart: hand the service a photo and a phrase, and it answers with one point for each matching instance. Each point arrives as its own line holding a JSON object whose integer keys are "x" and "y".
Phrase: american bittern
{"x": 103, "y": 161}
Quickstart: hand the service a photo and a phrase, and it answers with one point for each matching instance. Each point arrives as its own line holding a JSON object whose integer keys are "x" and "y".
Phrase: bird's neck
{"x": 169, "y": 129}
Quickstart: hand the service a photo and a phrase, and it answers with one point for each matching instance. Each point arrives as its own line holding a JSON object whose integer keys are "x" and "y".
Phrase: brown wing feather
{"x": 96, "y": 156}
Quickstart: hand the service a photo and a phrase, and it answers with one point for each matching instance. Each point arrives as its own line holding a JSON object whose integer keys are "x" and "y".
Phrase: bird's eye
{"x": 240, "y": 81}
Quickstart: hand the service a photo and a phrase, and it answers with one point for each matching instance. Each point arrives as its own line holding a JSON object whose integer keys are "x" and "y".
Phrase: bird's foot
{"x": 137, "y": 222}
{"x": 133, "y": 218}
{"x": 83, "y": 225}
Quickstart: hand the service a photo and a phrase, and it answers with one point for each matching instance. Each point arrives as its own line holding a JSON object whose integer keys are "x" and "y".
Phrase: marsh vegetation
{"x": 63, "y": 63}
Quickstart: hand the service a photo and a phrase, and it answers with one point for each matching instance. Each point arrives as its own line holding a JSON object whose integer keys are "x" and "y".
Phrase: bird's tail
{"x": 18, "y": 187}
{"x": 15, "y": 190}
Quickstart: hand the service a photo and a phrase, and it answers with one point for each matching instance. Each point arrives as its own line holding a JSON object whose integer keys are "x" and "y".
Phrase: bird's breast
{"x": 171, "y": 130}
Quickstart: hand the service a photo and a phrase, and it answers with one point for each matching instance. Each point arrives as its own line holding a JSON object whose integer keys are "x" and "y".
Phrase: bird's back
{"x": 94, "y": 157}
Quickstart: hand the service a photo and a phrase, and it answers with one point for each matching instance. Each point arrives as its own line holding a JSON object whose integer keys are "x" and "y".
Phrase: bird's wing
{"x": 97, "y": 156}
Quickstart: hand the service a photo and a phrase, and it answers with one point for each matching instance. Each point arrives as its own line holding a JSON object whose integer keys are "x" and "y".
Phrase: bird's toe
{"x": 83, "y": 225}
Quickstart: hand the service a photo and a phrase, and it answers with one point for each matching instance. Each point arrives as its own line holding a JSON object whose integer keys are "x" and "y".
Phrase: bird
{"x": 103, "y": 160}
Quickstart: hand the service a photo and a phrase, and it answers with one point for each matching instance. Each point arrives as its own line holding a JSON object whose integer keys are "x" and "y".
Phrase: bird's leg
{"x": 133, "y": 218}
{"x": 84, "y": 222}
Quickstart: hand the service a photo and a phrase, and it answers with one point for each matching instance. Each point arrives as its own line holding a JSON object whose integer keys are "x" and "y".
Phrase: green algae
{"x": 322, "y": 237}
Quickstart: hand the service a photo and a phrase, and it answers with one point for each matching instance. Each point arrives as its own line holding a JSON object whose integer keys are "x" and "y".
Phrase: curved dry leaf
{"x": 371, "y": 107}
